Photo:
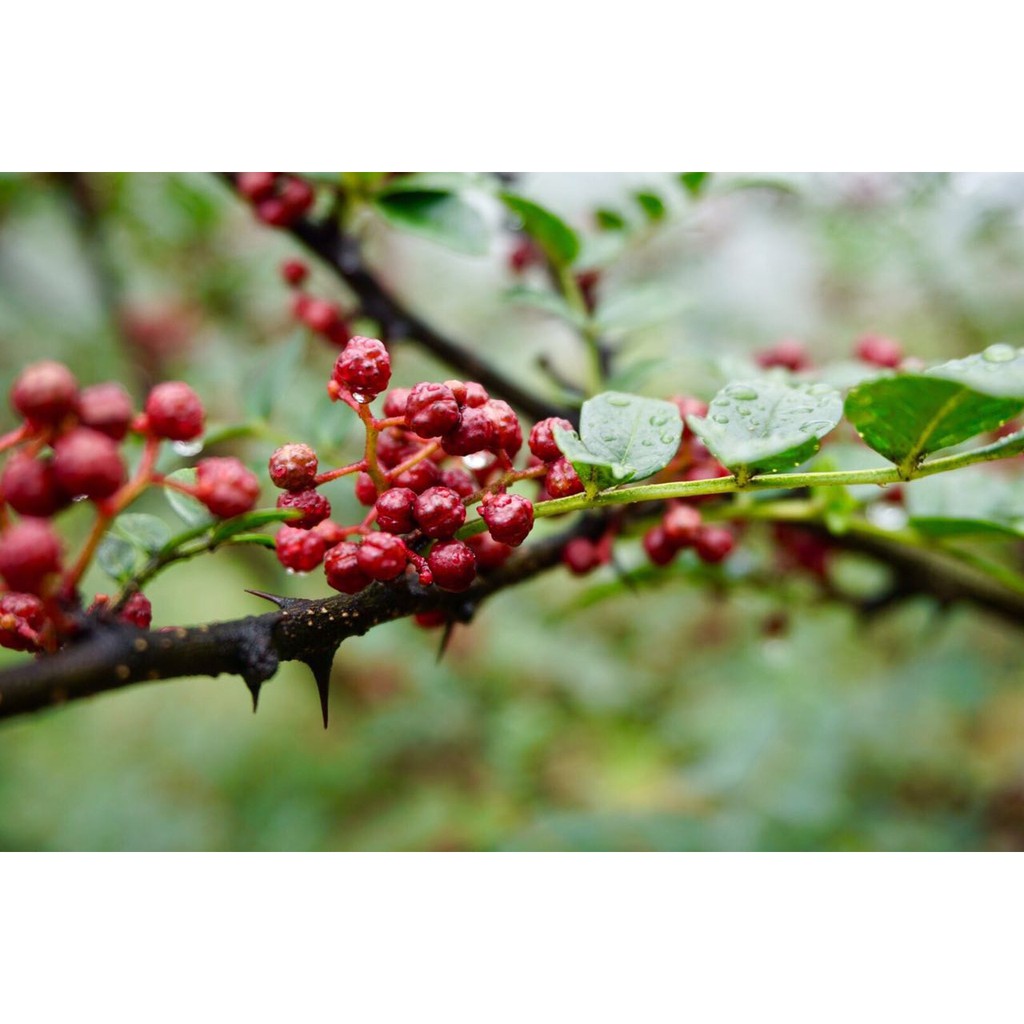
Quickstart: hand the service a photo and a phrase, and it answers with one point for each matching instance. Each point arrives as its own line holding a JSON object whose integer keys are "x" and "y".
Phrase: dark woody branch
{"x": 343, "y": 254}
{"x": 111, "y": 655}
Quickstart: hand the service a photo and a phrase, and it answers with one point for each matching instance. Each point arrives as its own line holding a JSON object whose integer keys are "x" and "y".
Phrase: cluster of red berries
{"x": 67, "y": 449}
{"x": 440, "y": 447}
{"x": 277, "y": 199}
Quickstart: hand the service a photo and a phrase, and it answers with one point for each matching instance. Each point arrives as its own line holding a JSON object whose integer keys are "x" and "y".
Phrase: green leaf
{"x": 763, "y": 426}
{"x": 431, "y": 181}
{"x": 189, "y": 509}
{"x": 117, "y": 557}
{"x": 652, "y": 205}
{"x": 610, "y": 220}
{"x": 637, "y": 308}
{"x": 622, "y": 437}
{"x": 998, "y": 371}
{"x": 972, "y": 500}
{"x": 909, "y": 416}
{"x": 694, "y": 181}
{"x": 545, "y": 301}
{"x": 549, "y": 231}
{"x": 147, "y": 533}
{"x": 250, "y": 521}
{"x": 441, "y": 216}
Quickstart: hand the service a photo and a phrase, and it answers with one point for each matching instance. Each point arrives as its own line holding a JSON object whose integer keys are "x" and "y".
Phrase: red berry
{"x": 788, "y": 353}
{"x": 21, "y": 618}
{"x": 293, "y": 467}
{"x": 315, "y": 508}
{"x": 366, "y": 490}
{"x": 453, "y": 565}
{"x": 275, "y": 212}
{"x": 439, "y": 512}
{"x": 30, "y": 486}
{"x": 297, "y": 195}
{"x": 562, "y": 480}
{"x": 542, "y": 438}
{"x": 106, "y": 408}
{"x": 87, "y": 463}
{"x": 341, "y": 567}
{"x": 509, "y": 518}
{"x": 137, "y": 611}
{"x": 489, "y": 552}
{"x": 174, "y": 411}
{"x": 419, "y": 477}
{"x": 383, "y": 556}
{"x": 395, "y": 401}
{"x": 506, "y": 425}
{"x": 364, "y": 367}
{"x": 430, "y": 620}
{"x": 714, "y": 544}
{"x": 45, "y": 392}
{"x": 320, "y": 315}
{"x": 476, "y": 394}
{"x": 459, "y": 481}
{"x": 660, "y": 549}
{"x": 299, "y": 550}
{"x": 226, "y": 487}
{"x": 294, "y": 272}
{"x": 394, "y": 447}
{"x": 256, "y": 185}
{"x": 880, "y": 351}
{"x": 431, "y": 410}
{"x": 29, "y": 552}
{"x": 394, "y": 510}
{"x": 331, "y": 532}
{"x": 681, "y": 525}
{"x": 581, "y": 556}
{"x": 475, "y": 433}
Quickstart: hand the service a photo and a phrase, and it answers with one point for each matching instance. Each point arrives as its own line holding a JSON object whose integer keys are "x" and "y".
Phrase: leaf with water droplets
{"x": 622, "y": 437}
{"x": 910, "y": 416}
{"x": 763, "y": 426}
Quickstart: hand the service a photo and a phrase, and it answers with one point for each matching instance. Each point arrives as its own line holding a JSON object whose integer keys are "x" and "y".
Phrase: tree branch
{"x": 342, "y": 253}
{"x": 111, "y": 655}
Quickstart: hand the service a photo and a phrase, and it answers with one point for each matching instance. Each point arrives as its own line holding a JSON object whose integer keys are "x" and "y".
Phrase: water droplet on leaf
{"x": 999, "y": 353}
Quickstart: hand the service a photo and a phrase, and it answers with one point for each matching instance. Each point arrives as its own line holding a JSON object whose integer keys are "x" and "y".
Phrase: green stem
{"x": 1008, "y": 446}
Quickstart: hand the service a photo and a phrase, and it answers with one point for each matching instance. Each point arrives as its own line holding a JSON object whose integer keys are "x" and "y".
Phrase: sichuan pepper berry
{"x": 453, "y": 565}
{"x": 315, "y": 508}
{"x": 29, "y": 552}
{"x": 174, "y": 411}
{"x": 299, "y": 550}
{"x": 226, "y": 487}
{"x": 87, "y": 464}
{"x": 342, "y": 569}
{"x": 293, "y": 467}
{"x": 509, "y": 517}
{"x": 364, "y": 368}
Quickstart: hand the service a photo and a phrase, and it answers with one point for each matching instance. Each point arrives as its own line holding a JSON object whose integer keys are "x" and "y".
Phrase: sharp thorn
{"x": 320, "y": 666}
{"x": 273, "y": 598}
{"x": 449, "y": 628}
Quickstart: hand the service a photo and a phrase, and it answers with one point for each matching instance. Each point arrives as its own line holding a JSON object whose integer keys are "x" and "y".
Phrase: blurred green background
{"x": 573, "y": 714}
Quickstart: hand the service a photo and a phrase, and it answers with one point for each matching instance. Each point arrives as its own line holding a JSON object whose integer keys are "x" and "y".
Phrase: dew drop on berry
{"x": 478, "y": 460}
